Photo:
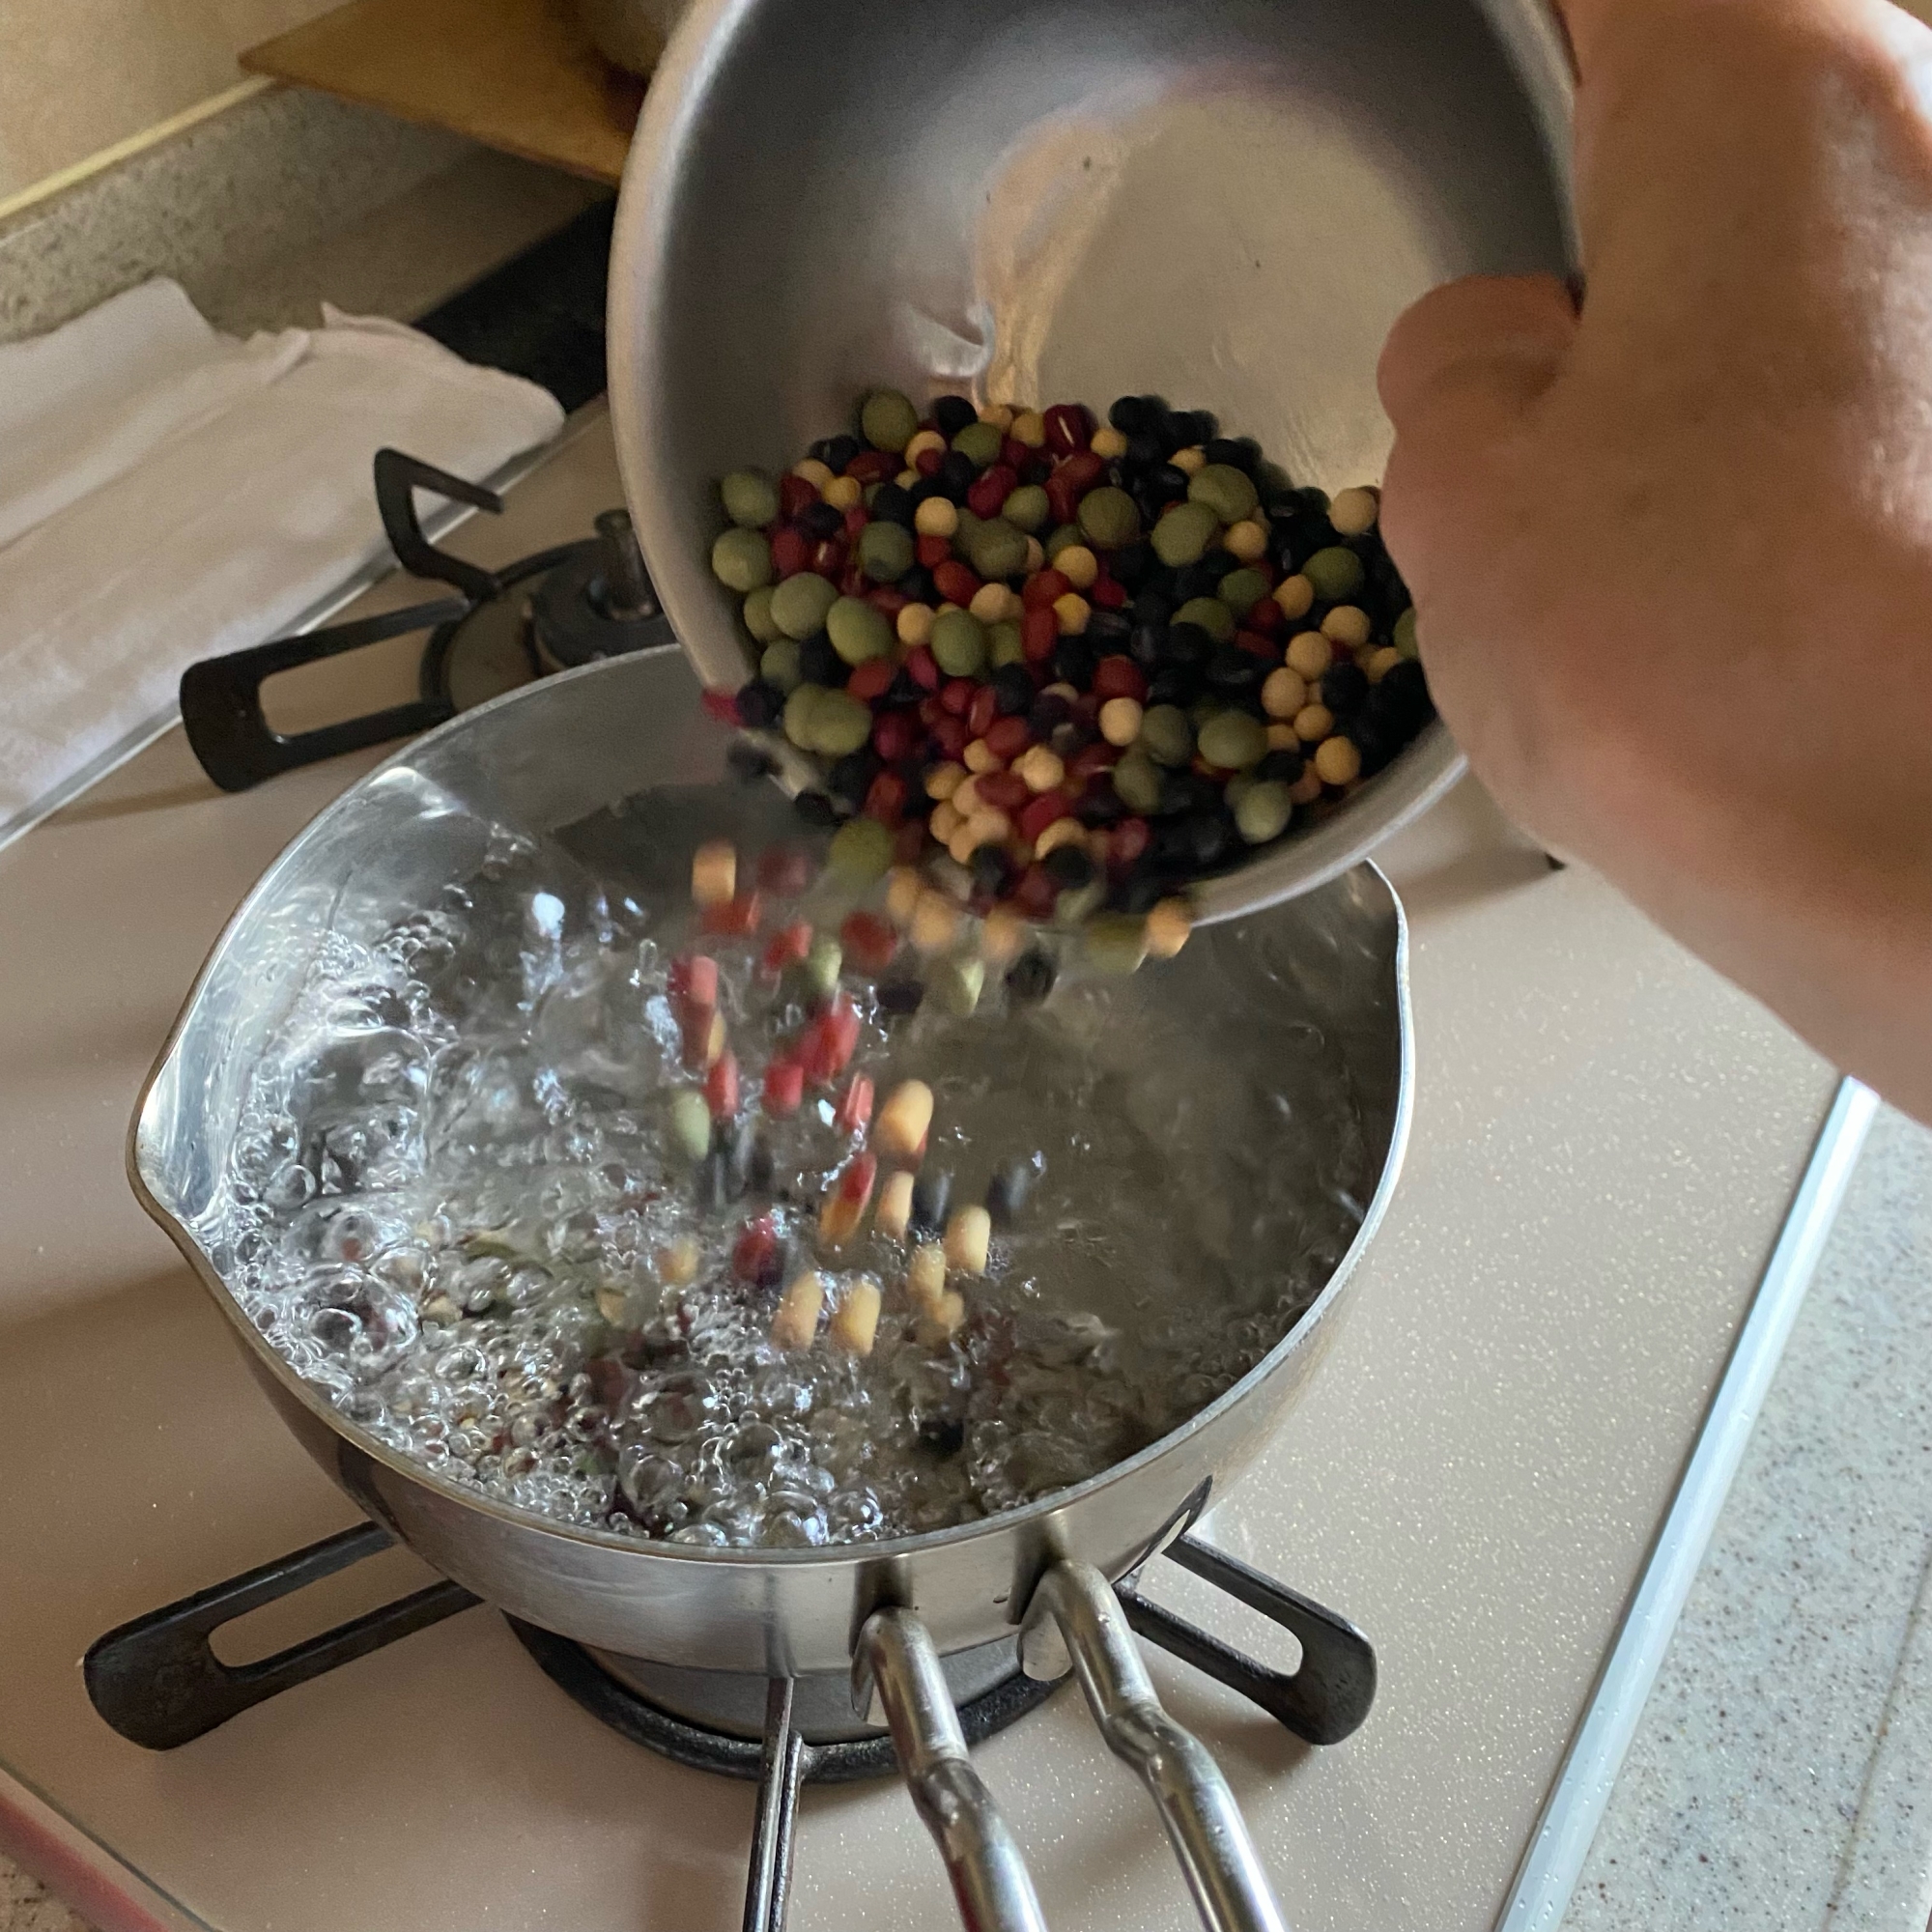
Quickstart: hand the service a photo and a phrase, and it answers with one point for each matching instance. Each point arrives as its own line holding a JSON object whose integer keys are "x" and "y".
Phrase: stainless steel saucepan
{"x": 1225, "y": 202}
{"x": 922, "y": 1620}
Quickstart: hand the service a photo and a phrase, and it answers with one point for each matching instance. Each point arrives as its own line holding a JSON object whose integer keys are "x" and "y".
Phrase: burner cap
{"x": 598, "y": 601}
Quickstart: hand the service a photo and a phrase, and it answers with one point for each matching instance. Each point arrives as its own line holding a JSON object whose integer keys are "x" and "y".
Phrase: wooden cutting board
{"x": 516, "y": 74}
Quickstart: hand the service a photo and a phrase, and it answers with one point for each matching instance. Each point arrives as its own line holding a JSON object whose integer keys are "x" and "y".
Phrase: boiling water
{"x": 452, "y": 1193}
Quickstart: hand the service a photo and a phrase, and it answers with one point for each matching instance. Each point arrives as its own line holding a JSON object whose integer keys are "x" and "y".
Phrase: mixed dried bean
{"x": 1080, "y": 664}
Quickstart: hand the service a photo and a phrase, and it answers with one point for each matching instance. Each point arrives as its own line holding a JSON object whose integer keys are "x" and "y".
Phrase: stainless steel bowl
{"x": 1227, "y": 202}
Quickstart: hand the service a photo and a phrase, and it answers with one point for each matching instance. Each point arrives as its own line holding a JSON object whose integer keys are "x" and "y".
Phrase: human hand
{"x": 1672, "y": 556}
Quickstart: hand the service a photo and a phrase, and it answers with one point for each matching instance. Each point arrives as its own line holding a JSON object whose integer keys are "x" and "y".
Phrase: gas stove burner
{"x": 159, "y": 1683}
{"x": 595, "y": 1684}
{"x": 553, "y": 611}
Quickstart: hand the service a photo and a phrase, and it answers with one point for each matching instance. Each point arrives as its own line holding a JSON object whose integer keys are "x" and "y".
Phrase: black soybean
{"x": 892, "y": 503}
{"x": 1193, "y": 426}
{"x": 1344, "y": 687}
{"x": 820, "y": 521}
{"x": 1074, "y": 660}
{"x": 1147, "y": 644}
{"x": 1282, "y": 767}
{"x": 1234, "y": 673}
{"x": 841, "y": 450}
{"x": 1129, "y": 414}
{"x": 818, "y": 662}
{"x": 1067, "y": 865}
{"x": 901, "y": 996}
{"x": 815, "y": 809}
{"x": 1376, "y": 739}
{"x": 1107, "y": 631}
{"x": 1049, "y": 711}
{"x": 952, "y": 414}
{"x": 851, "y": 777}
{"x": 1188, "y": 645}
{"x": 1129, "y": 565}
{"x": 1030, "y": 978}
{"x": 1151, "y": 606}
{"x": 1174, "y": 683}
{"x": 1144, "y": 452}
{"x": 931, "y": 1196}
{"x": 918, "y": 587}
{"x": 760, "y": 704}
{"x": 1100, "y": 805}
{"x": 1240, "y": 452}
{"x": 993, "y": 870}
{"x": 942, "y": 1435}
{"x": 956, "y": 473}
{"x": 1012, "y": 689}
{"x": 1008, "y": 1191}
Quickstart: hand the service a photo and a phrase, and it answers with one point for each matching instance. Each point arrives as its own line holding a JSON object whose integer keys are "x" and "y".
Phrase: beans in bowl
{"x": 1083, "y": 664}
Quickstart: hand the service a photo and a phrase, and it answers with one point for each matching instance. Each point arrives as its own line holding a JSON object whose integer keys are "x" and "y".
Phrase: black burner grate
{"x": 158, "y": 1682}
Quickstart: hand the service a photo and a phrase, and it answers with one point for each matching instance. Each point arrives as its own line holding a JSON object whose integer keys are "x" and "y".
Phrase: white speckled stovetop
{"x": 1781, "y": 1775}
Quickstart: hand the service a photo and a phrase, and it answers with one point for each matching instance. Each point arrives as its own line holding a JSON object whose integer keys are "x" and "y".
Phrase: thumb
{"x": 1460, "y": 369}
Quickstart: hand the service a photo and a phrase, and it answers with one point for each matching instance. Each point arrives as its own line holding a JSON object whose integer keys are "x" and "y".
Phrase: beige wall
{"x": 78, "y": 75}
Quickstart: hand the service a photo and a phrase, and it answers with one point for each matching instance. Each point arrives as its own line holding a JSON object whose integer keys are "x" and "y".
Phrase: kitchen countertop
{"x": 1781, "y": 1772}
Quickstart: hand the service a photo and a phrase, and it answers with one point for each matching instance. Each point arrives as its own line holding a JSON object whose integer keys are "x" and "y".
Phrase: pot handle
{"x": 895, "y": 1661}
{"x": 1204, "y": 1824}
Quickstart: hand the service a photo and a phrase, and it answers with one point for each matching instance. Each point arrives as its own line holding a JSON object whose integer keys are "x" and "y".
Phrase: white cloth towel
{"x": 167, "y": 494}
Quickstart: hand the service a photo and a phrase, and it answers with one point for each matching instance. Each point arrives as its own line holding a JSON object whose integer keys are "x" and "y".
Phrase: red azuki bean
{"x": 852, "y": 582}
{"x": 828, "y": 559}
{"x": 1257, "y": 647}
{"x": 1068, "y": 427}
{"x": 1083, "y": 471}
{"x": 785, "y": 1085}
{"x": 1063, "y": 497}
{"x": 932, "y": 551}
{"x": 886, "y": 798}
{"x": 1014, "y": 454}
{"x": 1265, "y": 617}
{"x": 957, "y": 695}
{"x": 795, "y": 494}
{"x": 928, "y": 461}
{"x": 872, "y": 679}
{"x": 1127, "y": 842}
{"x": 1043, "y": 586}
{"x": 1037, "y": 815}
{"x": 1119, "y": 677}
{"x": 1003, "y": 791}
{"x": 856, "y": 520}
{"x": 869, "y": 943}
{"x": 894, "y": 735}
{"x": 909, "y": 843}
{"x": 1007, "y": 738}
{"x": 1040, "y": 633}
{"x": 1091, "y": 760}
{"x": 1107, "y": 594}
{"x": 1035, "y": 892}
{"x": 873, "y": 465}
{"x": 923, "y": 667}
{"x": 723, "y": 705}
{"x": 951, "y": 737}
{"x": 885, "y": 598}
{"x": 791, "y": 551}
{"x": 990, "y": 489}
{"x": 954, "y": 581}
{"x": 983, "y": 709}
